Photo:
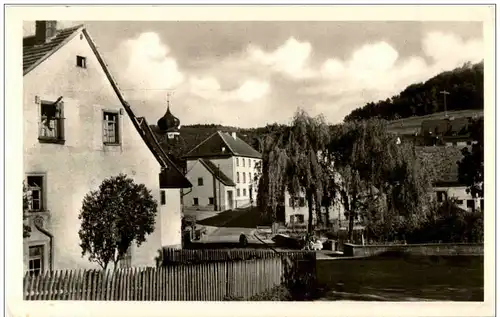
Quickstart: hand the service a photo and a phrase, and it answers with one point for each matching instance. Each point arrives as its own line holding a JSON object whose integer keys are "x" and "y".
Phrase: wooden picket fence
{"x": 209, "y": 281}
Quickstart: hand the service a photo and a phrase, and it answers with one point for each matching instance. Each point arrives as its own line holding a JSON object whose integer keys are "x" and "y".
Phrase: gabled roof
{"x": 221, "y": 144}
{"x": 34, "y": 55}
{"x": 215, "y": 171}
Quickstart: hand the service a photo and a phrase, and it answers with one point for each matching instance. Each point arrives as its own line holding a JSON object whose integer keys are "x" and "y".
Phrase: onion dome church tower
{"x": 169, "y": 123}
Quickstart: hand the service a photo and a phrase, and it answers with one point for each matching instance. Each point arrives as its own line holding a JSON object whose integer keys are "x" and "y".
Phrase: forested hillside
{"x": 464, "y": 84}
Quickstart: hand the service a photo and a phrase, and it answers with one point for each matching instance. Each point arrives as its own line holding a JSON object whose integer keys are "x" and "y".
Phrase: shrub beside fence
{"x": 216, "y": 278}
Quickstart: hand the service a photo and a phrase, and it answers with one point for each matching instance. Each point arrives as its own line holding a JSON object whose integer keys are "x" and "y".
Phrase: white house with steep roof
{"x": 79, "y": 130}
{"x": 223, "y": 170}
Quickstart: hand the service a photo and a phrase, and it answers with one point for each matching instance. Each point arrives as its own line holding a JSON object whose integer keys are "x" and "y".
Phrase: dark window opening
{"x": 210, "y": 200}
{"x": 441, "y": 196}
{"x": 51, "y": 126}
{"x": 195, "y": 201}
{"x": 481, "y": 203}
{"x": 81, "y": 61}
{"x": 471, "y": 204}
{"x": 163, "y": 198}
{"x": 36, "y": 188}
{"x": 200, "y": 181}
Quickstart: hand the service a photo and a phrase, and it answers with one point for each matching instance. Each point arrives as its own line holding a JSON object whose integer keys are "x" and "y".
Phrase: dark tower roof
{"x": 168, "y": 123}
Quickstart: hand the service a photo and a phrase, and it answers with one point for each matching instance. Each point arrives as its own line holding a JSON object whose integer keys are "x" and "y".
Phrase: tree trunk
{"x": 311, "y": 213}
{"x": 350, "y": 232}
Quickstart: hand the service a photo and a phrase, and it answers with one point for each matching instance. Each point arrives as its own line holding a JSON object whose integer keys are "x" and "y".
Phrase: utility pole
{"x": 444, "y": 92}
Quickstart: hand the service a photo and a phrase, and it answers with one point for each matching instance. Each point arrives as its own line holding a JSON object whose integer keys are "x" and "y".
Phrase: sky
{"x": 249, "y": 74}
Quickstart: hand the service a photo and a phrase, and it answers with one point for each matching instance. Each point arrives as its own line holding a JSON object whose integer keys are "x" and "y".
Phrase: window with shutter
{"x": 51, "y": 125}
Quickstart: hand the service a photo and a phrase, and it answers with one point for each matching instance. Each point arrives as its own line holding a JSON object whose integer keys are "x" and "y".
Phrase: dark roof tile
{"x": 221, "y": 144}
{"x": 34, "y": 54}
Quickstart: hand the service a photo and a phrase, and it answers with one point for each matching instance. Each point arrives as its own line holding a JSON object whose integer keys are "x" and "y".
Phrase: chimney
{"x": 233, "y": 134}
{"x": 44, "y": 31}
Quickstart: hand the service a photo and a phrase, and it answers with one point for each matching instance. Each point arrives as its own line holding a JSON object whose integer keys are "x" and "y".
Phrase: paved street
{"x": 226, "y": 227}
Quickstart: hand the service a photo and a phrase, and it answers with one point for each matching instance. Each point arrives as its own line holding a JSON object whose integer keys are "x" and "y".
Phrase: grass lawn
{"x": 244, "y": 218}
{"x": 454, "y": 278}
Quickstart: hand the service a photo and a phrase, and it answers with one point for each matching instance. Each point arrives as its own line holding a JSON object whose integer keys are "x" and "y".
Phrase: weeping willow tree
{"x": 291, "y": 162}
{"x": 381, "y": 181}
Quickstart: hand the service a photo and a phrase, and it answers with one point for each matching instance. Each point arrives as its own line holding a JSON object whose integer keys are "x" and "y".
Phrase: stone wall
{"x": 444, "y": 249}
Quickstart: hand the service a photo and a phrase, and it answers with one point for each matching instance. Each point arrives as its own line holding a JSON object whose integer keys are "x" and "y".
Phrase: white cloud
{"x": 149, "y": 67}
{"x": 208, "y": 87}
{"x": 238, "y": 89}
{"x": 291, "y": 59}
{"x": 252, "y": 90}
{"x": 376, "y": 71}
{"x": 447, "y": 50}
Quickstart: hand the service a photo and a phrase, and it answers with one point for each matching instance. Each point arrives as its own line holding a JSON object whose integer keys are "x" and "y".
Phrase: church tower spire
{"x": 169, "y": 123}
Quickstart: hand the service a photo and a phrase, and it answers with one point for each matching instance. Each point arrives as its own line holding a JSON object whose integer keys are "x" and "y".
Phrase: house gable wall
{"x": 83, "y": 161}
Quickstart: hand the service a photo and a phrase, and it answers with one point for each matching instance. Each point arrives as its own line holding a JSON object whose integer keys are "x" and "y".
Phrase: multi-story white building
{"x": 223, "y": 170}
{"x": 79, "y": 130}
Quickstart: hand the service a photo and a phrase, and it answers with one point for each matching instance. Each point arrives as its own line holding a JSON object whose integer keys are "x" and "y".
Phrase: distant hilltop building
{"x": 436, "y": 129}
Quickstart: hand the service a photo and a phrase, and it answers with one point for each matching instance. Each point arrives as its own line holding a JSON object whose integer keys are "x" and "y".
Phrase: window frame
{"x": 238, "y": 192}
{"x": 58, "y": 120}
{"x": 244, "y": 177}
{"x": 244, "y": 192}
{"x": 237, "y": 162}
{"x": 40, "y": 258}
{"x": 200, "y": 181}
{"x": 473, "y": 203}
{"x": 105, "y": 138}
{"x": 196, "y": 202}
{"x": 211, "y": 201}
{"x": 441, "y": 196}
{"x": 244, "y": 164}
{"x": 43, "y": 191}
{"x": 83, "y": 61}
{"x": 238, "y": 177}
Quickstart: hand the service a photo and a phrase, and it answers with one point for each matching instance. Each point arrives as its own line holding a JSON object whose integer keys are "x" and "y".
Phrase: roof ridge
{"x": 53, "y": 50}
{"x": 59, "y": 30}
{"x": 126, "y": 105}
{"x": 225, "y": 142}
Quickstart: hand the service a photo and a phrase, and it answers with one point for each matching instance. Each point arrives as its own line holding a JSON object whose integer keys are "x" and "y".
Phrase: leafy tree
{"x": 26, "y": 228}
{"x": 471, "y": 167}
{"x": 114, "y": 216}
{"x": 381, "y": 182}
{"x": 291, "y": 162}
